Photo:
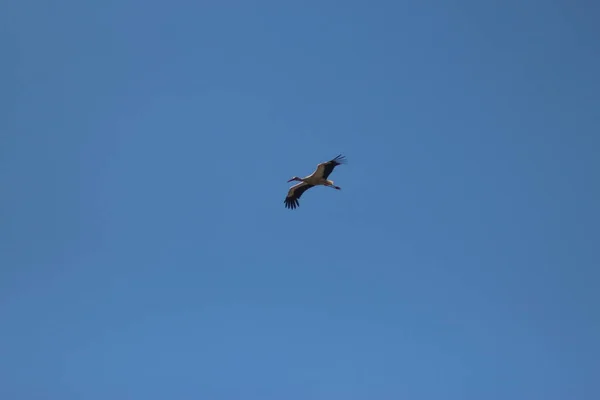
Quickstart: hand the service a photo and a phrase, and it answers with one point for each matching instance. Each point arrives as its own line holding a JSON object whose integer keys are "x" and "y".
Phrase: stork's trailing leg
{"x": 331, "y": 185}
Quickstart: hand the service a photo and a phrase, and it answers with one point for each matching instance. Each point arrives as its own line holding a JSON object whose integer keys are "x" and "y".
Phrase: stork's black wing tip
{"x": 339, "y": 159}
{"x": 291, "y": 203}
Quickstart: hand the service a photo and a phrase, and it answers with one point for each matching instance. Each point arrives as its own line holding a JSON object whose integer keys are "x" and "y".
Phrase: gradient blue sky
{"x": 145, "y": 250}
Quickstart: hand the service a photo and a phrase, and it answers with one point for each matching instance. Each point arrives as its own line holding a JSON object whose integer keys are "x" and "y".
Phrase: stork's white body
{"x": 316, "y": 179}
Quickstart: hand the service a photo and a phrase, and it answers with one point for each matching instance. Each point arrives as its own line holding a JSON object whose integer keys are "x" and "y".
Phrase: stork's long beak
{"x": 291, "y": 180}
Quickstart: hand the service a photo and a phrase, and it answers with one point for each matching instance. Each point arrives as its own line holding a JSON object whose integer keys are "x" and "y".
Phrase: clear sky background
{"x": 145, "y": 251}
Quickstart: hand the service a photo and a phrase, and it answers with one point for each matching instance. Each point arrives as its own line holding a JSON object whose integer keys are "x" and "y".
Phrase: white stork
{"x": 319, "y": 177}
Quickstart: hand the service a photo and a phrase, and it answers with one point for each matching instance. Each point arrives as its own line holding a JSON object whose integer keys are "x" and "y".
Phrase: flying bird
{"x": 319, "y": 177}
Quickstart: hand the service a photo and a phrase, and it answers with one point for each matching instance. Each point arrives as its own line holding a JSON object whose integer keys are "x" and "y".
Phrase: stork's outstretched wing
{"x": 291, "y": 200}
{"x": 326, "y": 168}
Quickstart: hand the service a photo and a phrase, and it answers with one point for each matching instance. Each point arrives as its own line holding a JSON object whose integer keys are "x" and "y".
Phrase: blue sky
{"x": 145, "y": 252}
